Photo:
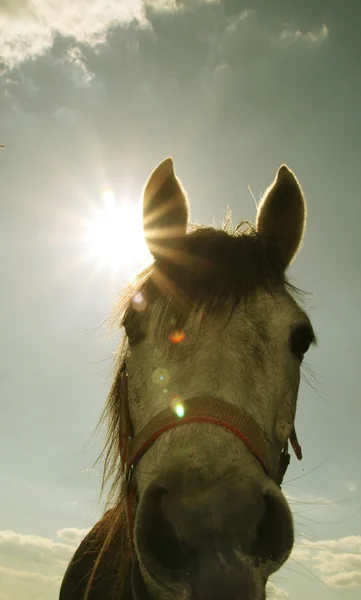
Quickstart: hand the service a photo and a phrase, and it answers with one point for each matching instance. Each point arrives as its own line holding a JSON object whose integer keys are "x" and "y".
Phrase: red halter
{"x": 196, "y": 410}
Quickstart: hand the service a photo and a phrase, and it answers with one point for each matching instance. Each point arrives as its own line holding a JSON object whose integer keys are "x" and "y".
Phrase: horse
{"x": 202, "y": 407}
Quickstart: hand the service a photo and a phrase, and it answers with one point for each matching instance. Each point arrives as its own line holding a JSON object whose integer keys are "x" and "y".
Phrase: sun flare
{"x": 115, "y": 233}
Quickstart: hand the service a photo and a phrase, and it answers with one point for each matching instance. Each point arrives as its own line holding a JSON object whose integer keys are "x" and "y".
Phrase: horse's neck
{"x": 106, "y": 583}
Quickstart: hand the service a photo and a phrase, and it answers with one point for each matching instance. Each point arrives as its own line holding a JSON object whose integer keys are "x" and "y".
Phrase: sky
{"x": 93, "y": 94}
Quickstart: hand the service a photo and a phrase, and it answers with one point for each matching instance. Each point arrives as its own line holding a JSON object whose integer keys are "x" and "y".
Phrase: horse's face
{"x": 210, "y": 524}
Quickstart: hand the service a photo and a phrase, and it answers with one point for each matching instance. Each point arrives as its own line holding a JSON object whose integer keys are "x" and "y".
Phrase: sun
{"x": 115, "y": 235}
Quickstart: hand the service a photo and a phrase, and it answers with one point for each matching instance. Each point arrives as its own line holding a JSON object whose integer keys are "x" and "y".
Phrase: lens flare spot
{"x": 177, "y": 406}
{"x": 178, "y": 336}
{"x": 139, "y": 302}
{"x": 160, "y": 377}
{"x": 179, "y": 410}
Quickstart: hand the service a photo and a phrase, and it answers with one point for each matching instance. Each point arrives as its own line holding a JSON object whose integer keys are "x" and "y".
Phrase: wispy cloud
{"x": 32, "y": 564}
{"x": 338, "y": 561}
{"x": 317, "y": 36}
{"x": 31, "y": 561}
{"x": 28, "y": 30}
{"x": 349, "y": 579}
{"x": 352, "y": 486}
{"x": 76, "y": 58}
{"x": 30, "y": 576}
{"x": 72, "y": 534}
{"x": 351, "y": 543}
{"x": 275, "y": 593}
{"x": 235, "y": 23}
{"x": 304, "y": 498}
{"x": 34, "y": 548}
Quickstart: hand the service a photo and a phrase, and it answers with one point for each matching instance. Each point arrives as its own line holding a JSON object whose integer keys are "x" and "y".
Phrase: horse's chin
{"x": 146, "y": 587}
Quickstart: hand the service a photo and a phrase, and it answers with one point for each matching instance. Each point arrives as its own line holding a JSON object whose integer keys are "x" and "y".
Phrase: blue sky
{"x": 95, "y": 93}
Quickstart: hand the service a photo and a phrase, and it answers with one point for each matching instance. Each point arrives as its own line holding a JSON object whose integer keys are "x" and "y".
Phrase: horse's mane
{"x": 208, "y": 267}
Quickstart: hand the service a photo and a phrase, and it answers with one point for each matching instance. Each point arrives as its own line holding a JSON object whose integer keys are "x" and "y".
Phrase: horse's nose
{"x": 176, "y": 525}
{"x": 158, "y": 537}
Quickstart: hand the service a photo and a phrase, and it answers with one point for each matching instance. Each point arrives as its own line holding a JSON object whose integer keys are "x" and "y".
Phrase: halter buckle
{"x": 129, "y": 472}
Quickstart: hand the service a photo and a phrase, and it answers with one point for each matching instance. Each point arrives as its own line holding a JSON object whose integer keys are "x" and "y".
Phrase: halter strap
{"x": 202, "y": 410}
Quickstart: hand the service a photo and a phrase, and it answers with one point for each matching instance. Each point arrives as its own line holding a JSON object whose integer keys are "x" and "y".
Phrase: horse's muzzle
{"x": 221, "y": 540}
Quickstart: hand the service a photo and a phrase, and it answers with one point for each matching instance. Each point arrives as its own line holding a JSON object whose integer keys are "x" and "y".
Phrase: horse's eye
{"x": 135, "y": 326}
{"x": 301, "y": 339}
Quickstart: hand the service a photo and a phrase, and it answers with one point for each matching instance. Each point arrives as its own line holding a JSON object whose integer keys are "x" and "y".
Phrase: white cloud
{"x": 304, "y": 498}
{"x": 351, "y": 543}
{"x": 31, "y": 564}
{"x": 316, "y": 36}
{"x": 75, "y": 57}
{"x": 275, "y": 593}
{"x": 300, "y": 554}
{"x": 234, "y": 25}
{"x": 28, "y": 29}
{"x": 72, "y": 534}
{"x": 163, "y": 4}
{"x": 338, "y": 561}
{"x": 329, "y": 562}
{"x": 32, "y": 576}
{"x": 348, "y": 579}
{"x": 352, "y": 486}
{"x": 34, "y": 548}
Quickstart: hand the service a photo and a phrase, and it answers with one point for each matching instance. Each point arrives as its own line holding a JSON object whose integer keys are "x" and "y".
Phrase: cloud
{"x": 275, "y": 593}
{"x": 330, "y": 562}
{"x": 352, "y": 486}
{"x": 350, "y": 543}
{"x": 30, "y": 576}
{"x": 28, "y": 562}
{"x": 338, "y": 561}
{"x": 76, "y": 58}
{"x": 130, "y": 53}
{"x": 316, "y": 36}
{"x": 28, "y": 29}
{"x": 304, "y": 498}
{"x": 72, "y": 534}
{"x": 235, "y": 23}
{"x": 350, "y": 579}
{"x": 34, "y": 548}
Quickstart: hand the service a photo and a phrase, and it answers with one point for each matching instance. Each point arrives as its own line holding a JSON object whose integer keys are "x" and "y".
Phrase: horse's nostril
{"x": 271, "y": 541}
{"x": 158, "y": 539}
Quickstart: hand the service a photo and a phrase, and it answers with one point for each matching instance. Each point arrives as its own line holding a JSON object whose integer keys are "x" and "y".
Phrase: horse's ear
{"x": 165, "y": 210}
{"x": 281, "y": 216}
